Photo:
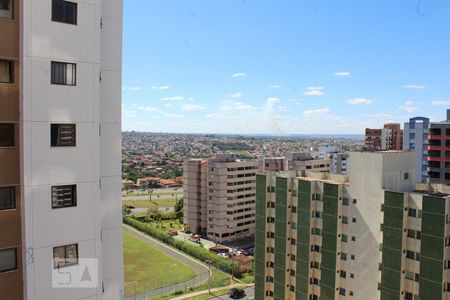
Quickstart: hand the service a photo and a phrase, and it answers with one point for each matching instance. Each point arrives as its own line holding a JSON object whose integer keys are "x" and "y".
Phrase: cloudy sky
{"x": 283, "y": 67}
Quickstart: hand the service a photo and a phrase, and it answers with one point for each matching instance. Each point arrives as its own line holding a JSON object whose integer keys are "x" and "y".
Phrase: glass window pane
{"x": 7, "y": 135}
{"x": 6, "y": 9}
{"x": 8, "y": 260}
{"x": 6, "y": 71}
{"x": 7, "y": 198}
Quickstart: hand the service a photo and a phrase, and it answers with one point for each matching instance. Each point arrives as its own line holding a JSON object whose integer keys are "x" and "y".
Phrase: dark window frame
{"x": 75, "y": 71}
{"x": 73, "y": 188}
{"x": 15, "y": 261}
{"x": 11, "y": 70}
{"x": 11, "y": 3}
{"x": 13, "y": 138}
{"x": 63, "y": 18}
{"x": 13, "y": 193}
{"x": 66, "y": 264}
{"x": 54, "y": 135}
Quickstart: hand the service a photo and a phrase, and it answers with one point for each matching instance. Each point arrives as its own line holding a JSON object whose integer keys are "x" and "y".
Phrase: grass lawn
{"x": 218, "y": 279}
{"x": 147, "y": 268}
{"x": 169, "y": 202}
{"x": 153, "y": 194}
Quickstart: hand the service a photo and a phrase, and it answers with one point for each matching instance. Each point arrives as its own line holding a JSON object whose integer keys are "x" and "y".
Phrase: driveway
{"x": 201, "y": 269}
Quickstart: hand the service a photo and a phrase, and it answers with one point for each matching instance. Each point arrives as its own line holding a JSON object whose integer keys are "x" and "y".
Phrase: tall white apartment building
{"x": 415, "y": 138}
{"x": 219, "y": 197}
{"x": 68, "y": 76}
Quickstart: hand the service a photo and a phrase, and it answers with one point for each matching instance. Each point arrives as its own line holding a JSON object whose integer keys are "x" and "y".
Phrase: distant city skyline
{"x": 252, "y": 67}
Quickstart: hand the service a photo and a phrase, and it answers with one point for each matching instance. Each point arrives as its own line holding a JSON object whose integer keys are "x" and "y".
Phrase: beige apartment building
{"x": 298, "y": 161}
{"x": 320, "y": 235}
{"x": 220, "y": 196}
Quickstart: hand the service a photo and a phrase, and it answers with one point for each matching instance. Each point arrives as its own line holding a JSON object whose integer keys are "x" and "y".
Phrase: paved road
{"x": 201, "y": 269}
{"x": 249, "y": 293}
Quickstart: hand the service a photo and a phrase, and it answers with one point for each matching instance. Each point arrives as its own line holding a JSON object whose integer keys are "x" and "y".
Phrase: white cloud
{"x": 314, "y": 91}
{"x": 171, "y": 115}
{"x": 173, "y": 98}
{"x": 241, "y": 106}
{"x": 342, "y": 74}
{"x": 235, "y": 95}
{"x": 192, "y": 107}
{"x": 275, "y": 86}
{"x": 148, "y": 108}
{"x": 160, "y": 87}
{"x": 408, "y": 106}
{"x": 316, "y": 112}
{"x": 211, "y": 116}
{"x": 414, "y": 86}
{"x": 131, "y": 88}
{"x": 272, "y": 100}
{"x": 238, "y": 74}
{"x": 359, "y": 101}
{"x": 440, "y": 103}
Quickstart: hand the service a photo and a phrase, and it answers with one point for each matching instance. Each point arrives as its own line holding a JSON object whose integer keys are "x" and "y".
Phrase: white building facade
{"x": 71, "y": 139}
{"x": 415, "y": 138}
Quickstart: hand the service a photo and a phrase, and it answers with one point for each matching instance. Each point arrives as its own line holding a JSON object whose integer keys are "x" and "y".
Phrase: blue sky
{"x": 283, "y": 67}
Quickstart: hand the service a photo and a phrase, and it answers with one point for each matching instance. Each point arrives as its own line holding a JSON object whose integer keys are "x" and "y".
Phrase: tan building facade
{"x": 11, "y": 252}
{"x": 220, "y": 197}
{"x": 318, "y": 236}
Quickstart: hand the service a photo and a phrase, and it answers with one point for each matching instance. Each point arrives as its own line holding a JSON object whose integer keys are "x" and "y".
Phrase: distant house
{"x": 126, "y": 183}
{"x": 149, "y": 182}
{"x": 169, "y": 183}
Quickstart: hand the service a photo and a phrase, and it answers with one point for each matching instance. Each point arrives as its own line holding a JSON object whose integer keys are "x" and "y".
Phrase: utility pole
{"x": 209, "y": 276}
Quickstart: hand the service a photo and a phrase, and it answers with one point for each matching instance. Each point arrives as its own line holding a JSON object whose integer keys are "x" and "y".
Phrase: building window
{"x": 8, "y": 260}
{"x": 6, "y": 70}
{"x": 7, "y": 198}
{"x": 342, "y": 291}
{"x": 64, "y": 256}
{"x": 6, "y": 9}
{"x": 7, "y": 133}
{"x": 63, "y": 73}
{"x": 316, "y": 231}
{"x": 343, "y": 256}
{"x": 314, "y": 265}
{"x": 343, "y": 274}
{"x": 345, "y": 201}
{"x": 64, "y": 196}
{"x": 344, "y": 220}
{"x": 63, "y": 135}
{"x": 344, "y": 238}
{"x": 64, "y": 12}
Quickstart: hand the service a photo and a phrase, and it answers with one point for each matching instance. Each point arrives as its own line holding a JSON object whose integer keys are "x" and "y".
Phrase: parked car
{"x": 236, "y": 293}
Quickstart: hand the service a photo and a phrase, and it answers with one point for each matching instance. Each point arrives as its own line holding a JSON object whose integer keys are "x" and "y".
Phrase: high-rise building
{"x": 415, "y": 137}
{"x": 298, "y": 161}
{"x": 439, "y": 151}
{"x": 373, "y": 138}
{"x": 415, "y": 257}
{"x": 390, "y": 137}
{"x": 318, "y": 236}
{"x": 60, "y": 178}
{"x": 219, "y": 198}
{"x": 340, "y": 163}
{"x": 274, "y": 164}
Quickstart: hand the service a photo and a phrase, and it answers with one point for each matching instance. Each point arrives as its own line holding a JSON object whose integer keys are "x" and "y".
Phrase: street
{"x": 249, "y": 294}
